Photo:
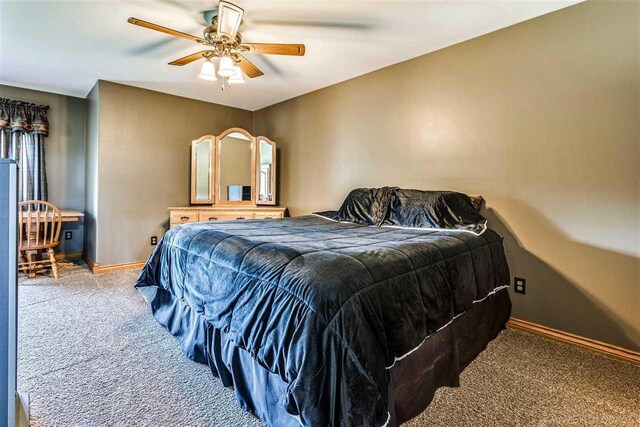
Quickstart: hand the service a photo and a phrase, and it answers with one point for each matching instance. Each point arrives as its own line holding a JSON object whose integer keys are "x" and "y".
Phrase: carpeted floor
{"x": 91, "y": 354}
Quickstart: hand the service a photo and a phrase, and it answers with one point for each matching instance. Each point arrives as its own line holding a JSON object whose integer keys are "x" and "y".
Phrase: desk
{"x": 69, "y": 215}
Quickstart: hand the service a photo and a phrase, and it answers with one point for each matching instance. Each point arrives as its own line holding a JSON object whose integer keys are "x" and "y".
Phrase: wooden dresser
{"x": 182, "y": 214}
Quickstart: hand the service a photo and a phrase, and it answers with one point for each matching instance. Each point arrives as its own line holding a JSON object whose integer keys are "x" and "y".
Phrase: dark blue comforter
{"x": 327, "y": 306}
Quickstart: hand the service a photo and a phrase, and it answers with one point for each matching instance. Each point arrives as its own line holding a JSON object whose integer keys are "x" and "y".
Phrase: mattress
{"x": 325, "y": 308}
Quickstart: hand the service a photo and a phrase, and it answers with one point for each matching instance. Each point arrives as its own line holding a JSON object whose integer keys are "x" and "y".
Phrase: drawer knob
{"x": 240, "y": 217}
{"x": 184, "y": 218}
{"x": 213, "y": 218}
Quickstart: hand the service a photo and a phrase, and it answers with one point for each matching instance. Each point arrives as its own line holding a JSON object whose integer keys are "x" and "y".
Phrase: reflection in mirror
{"x": 265, "y": 193}
{"x": 203, "y": 170}
{"x": 235, "y": 168}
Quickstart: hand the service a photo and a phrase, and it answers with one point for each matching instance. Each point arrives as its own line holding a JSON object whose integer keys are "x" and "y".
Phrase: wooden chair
{"x": 39, "y": 225}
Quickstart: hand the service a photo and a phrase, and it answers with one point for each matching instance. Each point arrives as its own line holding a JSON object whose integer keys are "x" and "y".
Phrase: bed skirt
{"x": 436, "y": 363}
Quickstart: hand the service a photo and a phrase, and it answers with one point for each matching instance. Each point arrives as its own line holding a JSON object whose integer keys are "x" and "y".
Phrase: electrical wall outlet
{"x": 519, "y": 285}
{"x": 154, "y": 240}
{"x": 68, "y": 235}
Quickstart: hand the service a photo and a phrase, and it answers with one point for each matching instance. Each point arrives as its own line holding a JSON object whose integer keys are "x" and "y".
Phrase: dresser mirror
{"x": 266, "y": 171}
{"x": 233, "y": 168}
{"x": 236, "y": 164}
{"x": 202, "y": 164}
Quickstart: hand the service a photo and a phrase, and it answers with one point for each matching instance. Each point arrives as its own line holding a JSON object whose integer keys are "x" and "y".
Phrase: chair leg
{"x": 54, "y": 266}
{"x": 23, "y": 267}
{"x": 22, "y": 259}
{"x": 32, "y": 270}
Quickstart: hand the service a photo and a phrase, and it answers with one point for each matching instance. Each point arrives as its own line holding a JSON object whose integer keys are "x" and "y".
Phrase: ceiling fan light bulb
{"x": 208, "y": 71}
{"x": 237, "y": 77}
{"x": 226, "y": 67}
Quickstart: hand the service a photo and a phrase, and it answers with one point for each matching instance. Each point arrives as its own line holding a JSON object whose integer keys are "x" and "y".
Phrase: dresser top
{"x": 228, "y": 208}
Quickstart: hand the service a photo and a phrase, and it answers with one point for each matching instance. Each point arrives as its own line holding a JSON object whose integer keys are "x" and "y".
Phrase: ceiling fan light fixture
{"x": 208, "y": 71}
{"x": 237, "y": 78}
{"x": 226, "y": 67}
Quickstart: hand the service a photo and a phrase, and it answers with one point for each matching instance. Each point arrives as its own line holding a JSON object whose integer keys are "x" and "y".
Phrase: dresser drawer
{"x": 180, "y": 217}
{"x": 208, "y": 216}
{"x": 225, "y": 216}
{"x": 268, "y": 215}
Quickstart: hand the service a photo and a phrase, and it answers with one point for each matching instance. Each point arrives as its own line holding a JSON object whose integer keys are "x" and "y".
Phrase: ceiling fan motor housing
{"x": 220, "y": 43}
{"x": 210, "y": 33}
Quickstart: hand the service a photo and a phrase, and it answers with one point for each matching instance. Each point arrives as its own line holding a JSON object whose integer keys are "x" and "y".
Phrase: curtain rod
{"x": 14, "y": 102}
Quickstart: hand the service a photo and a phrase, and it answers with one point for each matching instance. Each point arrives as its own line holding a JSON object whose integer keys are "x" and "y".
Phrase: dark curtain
{"x": 23, "y": 127}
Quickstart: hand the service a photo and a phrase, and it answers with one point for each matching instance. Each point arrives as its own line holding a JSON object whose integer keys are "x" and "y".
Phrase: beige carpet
{"x": 91, "y": 354}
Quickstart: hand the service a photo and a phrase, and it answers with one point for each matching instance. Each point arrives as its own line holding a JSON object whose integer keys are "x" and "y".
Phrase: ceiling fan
{"x": 223, "y": 41}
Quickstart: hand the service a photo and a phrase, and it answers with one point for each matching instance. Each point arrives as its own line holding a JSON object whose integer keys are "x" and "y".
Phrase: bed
{"x": 315, "y": 320}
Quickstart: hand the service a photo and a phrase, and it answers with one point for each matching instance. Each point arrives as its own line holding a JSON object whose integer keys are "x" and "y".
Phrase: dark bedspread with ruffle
{"x": 327, "y": 306}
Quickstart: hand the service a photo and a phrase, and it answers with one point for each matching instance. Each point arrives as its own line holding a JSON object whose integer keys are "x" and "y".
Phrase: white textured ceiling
{"x": 65, "y": 46}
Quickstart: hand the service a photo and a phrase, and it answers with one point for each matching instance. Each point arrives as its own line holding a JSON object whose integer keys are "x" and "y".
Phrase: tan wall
{"x": 64, "y": 153}
{"x": 91, "y": 174}
{"x": 542, "y": 119}
{"x": 144, "y": 161}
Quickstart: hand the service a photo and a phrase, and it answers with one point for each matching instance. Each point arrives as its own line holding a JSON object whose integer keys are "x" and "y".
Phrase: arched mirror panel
{"x": 266, "y": 172}
{"x": 202, "y": 168}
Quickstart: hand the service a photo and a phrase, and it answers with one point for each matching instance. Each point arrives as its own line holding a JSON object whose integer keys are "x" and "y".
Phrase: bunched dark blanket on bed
{"x": 327, "y": 307}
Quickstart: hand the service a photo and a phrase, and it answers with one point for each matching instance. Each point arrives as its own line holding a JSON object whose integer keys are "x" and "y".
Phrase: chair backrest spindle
{"x": 46, "y": 223}
{"x": 38, "y": 213}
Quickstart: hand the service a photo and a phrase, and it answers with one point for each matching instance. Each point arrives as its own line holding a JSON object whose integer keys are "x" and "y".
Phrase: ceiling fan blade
{"x": 155, "y": 45}
{"x": 274, "y": 49}
{"x": 189, "y": 58}
{"x": 171, "y": 32}
{"x": 229, "y": 19}
{"x": 247, "y": 67}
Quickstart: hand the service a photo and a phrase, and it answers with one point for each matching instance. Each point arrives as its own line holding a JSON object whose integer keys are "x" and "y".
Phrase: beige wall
{"x": 542, "y": 119}
{"x": 144, "y": 157}
{"x": 64, "y": 153}
{"x": 91, "y": 174}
